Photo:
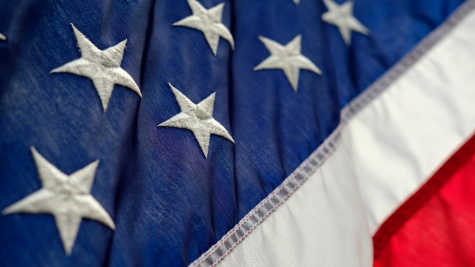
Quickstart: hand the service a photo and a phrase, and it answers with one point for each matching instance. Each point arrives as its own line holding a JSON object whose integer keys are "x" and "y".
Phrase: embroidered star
{"x": 342, "y": 17}
{"x": 66, "y": 197}
{"x": 287, "y": 58}
{"x": 197, "y": 118}
{"x": 2, "y": 37}
{"x": 207, "y": 21}
{"x": 101, "y": 66}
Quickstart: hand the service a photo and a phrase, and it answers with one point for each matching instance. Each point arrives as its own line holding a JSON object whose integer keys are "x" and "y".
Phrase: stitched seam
{"x": 348, "y": 112}
{"x": 275, "y": 207}
{"x": 269, "y": 197}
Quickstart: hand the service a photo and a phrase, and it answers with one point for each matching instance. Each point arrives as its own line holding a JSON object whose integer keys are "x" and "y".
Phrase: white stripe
{"x": 412, "y": 128}
{"x": 322, "y": 224}
{"x": 387, "y": 151}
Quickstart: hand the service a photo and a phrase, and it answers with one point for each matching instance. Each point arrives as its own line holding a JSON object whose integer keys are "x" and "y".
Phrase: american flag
{"x": 241, "y": 133}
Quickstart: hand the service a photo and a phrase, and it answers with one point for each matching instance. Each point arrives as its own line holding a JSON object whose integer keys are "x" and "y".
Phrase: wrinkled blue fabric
{"x": 169, "y": 203}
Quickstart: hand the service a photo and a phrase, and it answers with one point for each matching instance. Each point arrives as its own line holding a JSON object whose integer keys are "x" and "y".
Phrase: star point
{"x": 197, "y": 118}
{"x": 288, "y": 58}
{"x": 342, "y": 17}
{"x": 66, "y": 197}
{"x": 208, "y": 21}
{"x": 101, "y": 66}
{"x": 2, "y": 37}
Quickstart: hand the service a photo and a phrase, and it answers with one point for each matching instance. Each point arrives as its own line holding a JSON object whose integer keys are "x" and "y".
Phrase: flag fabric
{"x": 433, "y": 227}
{"x": 240, "y": 133}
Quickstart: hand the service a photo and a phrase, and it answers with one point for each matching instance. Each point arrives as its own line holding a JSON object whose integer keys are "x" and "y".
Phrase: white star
{"x": 288, "y": 58}
{"x": 342, "y": 17}
{"x": 207, "y": 21}
{"x": 102, "y": 67}
{"x": 2, "y": 37}
{"x": 296, "y": 2}
{"x": 66, "y": 197}
{"x": 197, "y": 118}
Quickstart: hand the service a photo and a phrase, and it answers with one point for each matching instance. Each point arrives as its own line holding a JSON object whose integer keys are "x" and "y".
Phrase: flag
{"x": 238, "y": 133}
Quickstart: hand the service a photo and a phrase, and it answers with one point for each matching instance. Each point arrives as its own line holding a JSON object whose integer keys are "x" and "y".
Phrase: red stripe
{"x": 429, "y": 227}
